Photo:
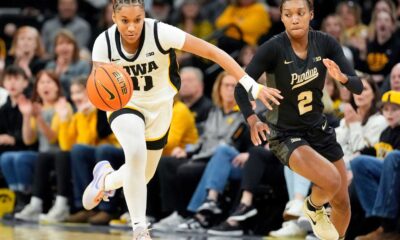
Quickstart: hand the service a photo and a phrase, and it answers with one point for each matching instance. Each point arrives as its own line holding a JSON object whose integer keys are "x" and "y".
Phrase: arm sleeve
{"x": 99, "y": 52}
{"x": 170, "y": 36}
{"x": 242, "y": 99}
{"x": 335, "y": 52}
{"x": 261, "y": 62}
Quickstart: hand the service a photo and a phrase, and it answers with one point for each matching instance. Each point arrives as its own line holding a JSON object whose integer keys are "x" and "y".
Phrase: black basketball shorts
{"x": 321, "y": 138}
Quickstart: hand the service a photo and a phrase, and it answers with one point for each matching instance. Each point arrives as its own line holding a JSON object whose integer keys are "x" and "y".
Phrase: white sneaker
{"x": 289, "y": 229}
{"x": 94, "y": 192}
{"x": 320, "y": 223}
{"x": 294, "y": 211}
{"x": 141, "y": 233}
{"x": 56, "y": 214}
{"x": 169, "y": 223}
{"x": 29, "y": 214}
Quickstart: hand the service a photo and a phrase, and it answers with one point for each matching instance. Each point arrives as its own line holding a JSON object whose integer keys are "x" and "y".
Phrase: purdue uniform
{"x": 298, "y": 120}
{"x": 154, "y": 84}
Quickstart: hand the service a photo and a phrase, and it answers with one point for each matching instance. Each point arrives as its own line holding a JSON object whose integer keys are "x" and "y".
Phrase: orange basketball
{"x": 109, "y": 87}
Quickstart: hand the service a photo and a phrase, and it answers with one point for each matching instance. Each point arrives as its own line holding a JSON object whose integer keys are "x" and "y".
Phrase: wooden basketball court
{"x": 26, "y": 231}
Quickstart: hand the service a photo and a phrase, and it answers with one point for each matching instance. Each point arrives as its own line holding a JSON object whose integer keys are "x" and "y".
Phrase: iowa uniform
{"x": 298, "y": 120}
{"x": 154, "y": 84}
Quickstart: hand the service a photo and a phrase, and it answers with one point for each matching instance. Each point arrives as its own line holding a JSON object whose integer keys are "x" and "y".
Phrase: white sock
{"x": 130, "y": 132}
{"x": 61, "y": 202}
{"x": 36, "y": 203}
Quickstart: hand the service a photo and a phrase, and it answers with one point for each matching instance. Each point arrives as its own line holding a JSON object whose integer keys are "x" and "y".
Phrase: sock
{"x": 312, "y": 206}
{"x": 36, "y": 203}
{"x": 341, "y": 238}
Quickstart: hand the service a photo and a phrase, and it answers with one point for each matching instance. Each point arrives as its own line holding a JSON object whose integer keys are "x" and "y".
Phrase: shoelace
{"x": 321, "y": 214}
{"x": 144, "y": 234}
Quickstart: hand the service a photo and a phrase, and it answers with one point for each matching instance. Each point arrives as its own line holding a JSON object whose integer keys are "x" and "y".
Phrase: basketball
{"x": 109, "y": 87}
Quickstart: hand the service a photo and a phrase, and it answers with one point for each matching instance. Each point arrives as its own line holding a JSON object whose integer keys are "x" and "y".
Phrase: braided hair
{"x": 117, "y": 4}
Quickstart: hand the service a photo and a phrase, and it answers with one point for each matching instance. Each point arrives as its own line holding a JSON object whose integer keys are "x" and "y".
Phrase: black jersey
{"x": 300, "y": 81}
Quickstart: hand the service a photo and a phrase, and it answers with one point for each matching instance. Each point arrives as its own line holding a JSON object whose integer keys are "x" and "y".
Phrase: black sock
{"x": 312, "y": 206}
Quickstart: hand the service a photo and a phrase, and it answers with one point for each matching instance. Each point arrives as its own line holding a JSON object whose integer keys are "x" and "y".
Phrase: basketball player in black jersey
{"x": 296, "y": 62}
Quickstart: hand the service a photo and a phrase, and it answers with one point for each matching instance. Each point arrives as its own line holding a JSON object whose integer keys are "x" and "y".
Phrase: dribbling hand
{"x": 257, "y": 129}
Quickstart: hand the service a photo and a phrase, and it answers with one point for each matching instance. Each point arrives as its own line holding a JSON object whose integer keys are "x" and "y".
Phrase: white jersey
{"x": 153, "y": 68}
{"x": 154, "y": 73}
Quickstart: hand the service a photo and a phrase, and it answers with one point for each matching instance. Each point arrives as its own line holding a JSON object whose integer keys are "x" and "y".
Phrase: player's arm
{"x": 262, "y": 61}
{"x": 99, "y": 52}
{"x": 206, "y": 50}
{"x": 339, "y": 68}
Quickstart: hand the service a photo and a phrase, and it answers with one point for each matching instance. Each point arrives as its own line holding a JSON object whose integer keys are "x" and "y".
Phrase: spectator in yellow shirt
{"x": 250, "y": 16}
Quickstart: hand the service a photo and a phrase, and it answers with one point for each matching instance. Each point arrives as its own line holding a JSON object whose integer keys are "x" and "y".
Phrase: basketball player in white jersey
{"x": 145, "y": 49}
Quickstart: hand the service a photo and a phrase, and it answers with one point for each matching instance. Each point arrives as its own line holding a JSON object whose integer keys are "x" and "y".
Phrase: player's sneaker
{"x": 320, "y": 223}
{"x": 94, "y": 192}
{"x": 141, "y": 233}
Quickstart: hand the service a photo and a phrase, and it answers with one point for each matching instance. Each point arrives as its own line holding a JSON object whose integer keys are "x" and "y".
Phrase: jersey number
{"x": 305, "y": 98}
{"x": 148, "y": 83}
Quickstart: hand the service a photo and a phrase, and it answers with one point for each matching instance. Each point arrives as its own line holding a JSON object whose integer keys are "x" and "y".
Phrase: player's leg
{"x": 327, "y": 181}
{"x": 341, "y": 210}
{"x": 153, "y": 158}
{"x": 326, "y": 178}
{"x": 130, "y": 132}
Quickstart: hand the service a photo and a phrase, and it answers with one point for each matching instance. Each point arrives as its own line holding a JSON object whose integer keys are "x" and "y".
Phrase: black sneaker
{"x": 225, "y": 229}
{"x": 209, "y": 206}
{"x": 243, "y": 212}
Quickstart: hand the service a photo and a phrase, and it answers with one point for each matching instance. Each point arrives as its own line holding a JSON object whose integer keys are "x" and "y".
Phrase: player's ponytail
{"x": 118, "y": 4}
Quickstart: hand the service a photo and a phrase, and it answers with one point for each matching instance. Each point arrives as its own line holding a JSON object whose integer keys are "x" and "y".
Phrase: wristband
{"x": 251, "y": 86}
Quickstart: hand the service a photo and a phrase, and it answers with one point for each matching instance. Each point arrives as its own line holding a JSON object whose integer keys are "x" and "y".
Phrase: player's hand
{"x": 269, "y": 95}
{"x": 240, "y": 159}
{"x": 334, "y": 70}
{"x": 257, "y": 129}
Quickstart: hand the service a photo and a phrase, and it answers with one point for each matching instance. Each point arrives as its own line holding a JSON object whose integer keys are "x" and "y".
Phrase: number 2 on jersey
{"x": 305, "y": 98}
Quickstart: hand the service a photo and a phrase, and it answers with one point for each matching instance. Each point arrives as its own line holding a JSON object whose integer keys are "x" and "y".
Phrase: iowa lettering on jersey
{"x": 137, "y": 71}
{"x": 299, "y": 80}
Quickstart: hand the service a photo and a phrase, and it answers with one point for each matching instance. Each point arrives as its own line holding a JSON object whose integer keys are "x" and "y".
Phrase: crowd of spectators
{"x": 210, "y": 178}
